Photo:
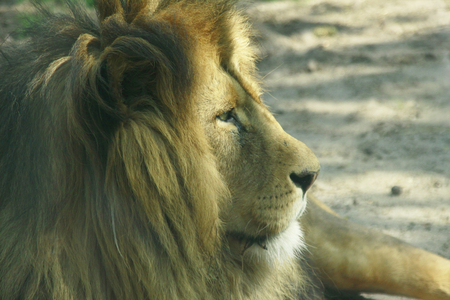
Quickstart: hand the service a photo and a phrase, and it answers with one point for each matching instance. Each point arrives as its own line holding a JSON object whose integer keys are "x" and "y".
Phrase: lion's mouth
{"x": 260, "y": 241}
{"x": 277, "y": 247}
{"x": 246, "y": 241}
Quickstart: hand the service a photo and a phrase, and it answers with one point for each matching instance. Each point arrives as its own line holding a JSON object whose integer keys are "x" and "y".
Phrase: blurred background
{"x": 366, "y": 85}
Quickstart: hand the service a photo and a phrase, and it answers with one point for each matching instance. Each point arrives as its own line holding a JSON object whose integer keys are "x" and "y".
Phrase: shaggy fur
{"x": 108, "y": 186}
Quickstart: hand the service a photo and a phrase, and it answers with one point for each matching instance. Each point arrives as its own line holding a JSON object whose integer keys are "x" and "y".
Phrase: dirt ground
{"x": 365, "y": 84}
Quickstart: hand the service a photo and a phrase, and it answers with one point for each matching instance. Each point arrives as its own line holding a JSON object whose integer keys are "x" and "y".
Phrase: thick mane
{"x": 108, "y": 189}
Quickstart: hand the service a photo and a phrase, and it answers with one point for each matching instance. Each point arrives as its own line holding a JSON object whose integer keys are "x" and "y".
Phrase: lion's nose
{"x": 304, "y": 180}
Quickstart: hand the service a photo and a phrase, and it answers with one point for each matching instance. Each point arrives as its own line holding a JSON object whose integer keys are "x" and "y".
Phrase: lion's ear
{"x": 140, "y": 65}
{"x": 129, "y": 9}
{"x": 107, "y": 8}
{"x": 129, "y": 67}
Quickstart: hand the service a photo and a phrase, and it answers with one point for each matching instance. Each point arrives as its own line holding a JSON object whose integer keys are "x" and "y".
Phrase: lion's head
{"x": 138, "y": 161}
{"x": 267, "y": 171}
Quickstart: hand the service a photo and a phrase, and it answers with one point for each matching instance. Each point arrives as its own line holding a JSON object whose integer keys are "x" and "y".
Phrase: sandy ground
{"x": 365, "y": 84}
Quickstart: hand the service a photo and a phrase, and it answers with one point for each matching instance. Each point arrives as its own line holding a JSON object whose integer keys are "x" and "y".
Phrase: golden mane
{"x": 108, "y": 188}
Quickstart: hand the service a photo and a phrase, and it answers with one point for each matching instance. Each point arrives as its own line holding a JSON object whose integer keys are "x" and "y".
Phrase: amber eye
{"x": 227, "y": 116}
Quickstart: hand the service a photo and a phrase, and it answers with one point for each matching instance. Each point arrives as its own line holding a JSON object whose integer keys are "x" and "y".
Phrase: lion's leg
{"x": 353, "y": 258}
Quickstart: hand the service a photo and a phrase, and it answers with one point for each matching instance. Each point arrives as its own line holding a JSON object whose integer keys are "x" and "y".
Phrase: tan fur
{"x": 138, "y": 162}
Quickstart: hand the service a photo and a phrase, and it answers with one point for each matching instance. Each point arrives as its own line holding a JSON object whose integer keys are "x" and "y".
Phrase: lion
{"x": 138, "y": 161}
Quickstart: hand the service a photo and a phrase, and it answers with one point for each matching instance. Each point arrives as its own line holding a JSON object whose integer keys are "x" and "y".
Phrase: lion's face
{"x": 267, "y": 171}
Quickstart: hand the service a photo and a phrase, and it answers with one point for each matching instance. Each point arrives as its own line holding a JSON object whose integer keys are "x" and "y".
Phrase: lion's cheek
{"x": 274, "y": 214}
{"x": 265, "y": 215}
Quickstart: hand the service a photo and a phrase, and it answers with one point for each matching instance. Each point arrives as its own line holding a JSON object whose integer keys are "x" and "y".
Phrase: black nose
{"x": 304, "y": 180}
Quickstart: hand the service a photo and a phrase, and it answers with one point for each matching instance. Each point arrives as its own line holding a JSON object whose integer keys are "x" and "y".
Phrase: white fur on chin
{"x": 280, "y": 248}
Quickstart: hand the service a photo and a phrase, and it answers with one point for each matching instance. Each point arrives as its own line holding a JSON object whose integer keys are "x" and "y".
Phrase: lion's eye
{"x": 227, "y": 116}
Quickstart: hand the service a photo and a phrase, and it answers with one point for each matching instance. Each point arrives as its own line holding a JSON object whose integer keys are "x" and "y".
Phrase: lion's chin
{"x": 274, "y": 249}
{"x": 278, "y": 248}
{"x": 271, "y": 246}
